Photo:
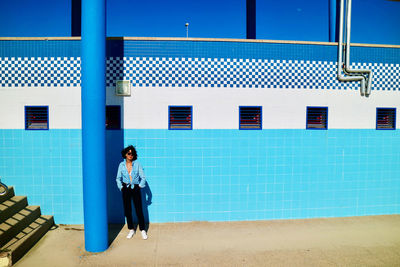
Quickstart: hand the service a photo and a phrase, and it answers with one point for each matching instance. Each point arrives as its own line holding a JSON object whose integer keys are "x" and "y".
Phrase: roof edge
{"x": 195, "y": 40}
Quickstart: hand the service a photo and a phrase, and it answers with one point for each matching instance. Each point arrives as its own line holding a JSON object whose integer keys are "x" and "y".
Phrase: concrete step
{"x": 17, "y": 247}
{"x": 13, "y": 225}
{"x": 11, "y": 206}
{"x": 9, "y": 195}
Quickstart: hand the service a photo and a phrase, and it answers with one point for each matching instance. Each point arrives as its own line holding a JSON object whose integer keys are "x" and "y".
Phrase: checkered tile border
{"x": 39, "y": 72}
{"x": 195, "y": 72}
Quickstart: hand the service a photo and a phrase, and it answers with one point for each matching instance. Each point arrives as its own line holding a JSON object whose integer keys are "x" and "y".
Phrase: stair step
{"x": 9, "y": 195}
{"x": 26, "y": 239}
{"x": 11, "y": 206}
{"x": 13, "y": 225}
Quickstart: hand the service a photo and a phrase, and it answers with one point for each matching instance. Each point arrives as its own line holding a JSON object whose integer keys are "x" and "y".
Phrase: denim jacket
{"x": 137, "y": 175}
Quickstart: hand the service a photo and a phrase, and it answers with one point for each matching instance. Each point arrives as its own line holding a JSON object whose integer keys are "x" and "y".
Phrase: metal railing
{"x": 3, "y": 189}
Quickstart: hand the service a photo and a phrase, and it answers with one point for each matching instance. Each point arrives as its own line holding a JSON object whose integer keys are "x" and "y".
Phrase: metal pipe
{"x": 347, "y": 68}
{"x": 340, "y": 76}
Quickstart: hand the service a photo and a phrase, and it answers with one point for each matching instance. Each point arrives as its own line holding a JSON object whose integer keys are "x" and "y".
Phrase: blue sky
{"x": 374, "y": 21}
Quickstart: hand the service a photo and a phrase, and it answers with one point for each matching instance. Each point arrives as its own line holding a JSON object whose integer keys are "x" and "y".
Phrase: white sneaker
{"x": 144, "y": 235}
{"x": 130, "y": 234}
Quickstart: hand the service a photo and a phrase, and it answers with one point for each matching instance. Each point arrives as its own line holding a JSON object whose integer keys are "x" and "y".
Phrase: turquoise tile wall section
{"x": 218, "y": 175}
{"x": 222, "y": 175}
{"x": 46, "y": 167}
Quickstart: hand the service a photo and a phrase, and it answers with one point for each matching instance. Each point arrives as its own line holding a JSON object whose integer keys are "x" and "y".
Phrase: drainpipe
{"x": 347, "y": 68}
{"x": 340, "y": 76}
{"x": 93, "y": 95}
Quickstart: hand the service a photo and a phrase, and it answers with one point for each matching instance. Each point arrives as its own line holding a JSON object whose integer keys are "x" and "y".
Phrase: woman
{"x": 130, "y": 179}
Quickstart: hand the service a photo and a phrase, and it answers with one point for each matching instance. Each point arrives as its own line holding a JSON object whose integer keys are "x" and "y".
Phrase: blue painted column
{"x": 93, "y": 124}
{"x": 334, "y": 20}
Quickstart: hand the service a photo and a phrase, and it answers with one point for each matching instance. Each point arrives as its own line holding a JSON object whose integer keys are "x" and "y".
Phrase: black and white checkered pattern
{"x": 196, "y": 72}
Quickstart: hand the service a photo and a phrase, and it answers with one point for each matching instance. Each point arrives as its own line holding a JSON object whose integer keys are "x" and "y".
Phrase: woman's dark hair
{"x": 126, "y": 150}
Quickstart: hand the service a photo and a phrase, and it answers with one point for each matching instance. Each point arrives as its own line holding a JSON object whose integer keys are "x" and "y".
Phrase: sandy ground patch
{"x": 351, "y": 241}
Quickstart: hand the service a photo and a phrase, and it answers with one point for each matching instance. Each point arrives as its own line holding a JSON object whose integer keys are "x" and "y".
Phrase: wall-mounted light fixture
{"x": 123, "y": 88}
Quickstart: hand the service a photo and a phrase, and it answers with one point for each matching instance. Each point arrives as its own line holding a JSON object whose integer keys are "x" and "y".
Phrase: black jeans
{"x": 127, "y": 195}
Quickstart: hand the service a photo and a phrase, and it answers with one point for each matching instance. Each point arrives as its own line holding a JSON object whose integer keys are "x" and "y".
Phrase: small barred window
{"x": 250, "y": 118}
{"x": 317, "y": 118}
{"x": 180, "y": 118}
{"x": 385, "y": 118}
{"x": 113, "y": 117}
{"x": 36, "y": 117}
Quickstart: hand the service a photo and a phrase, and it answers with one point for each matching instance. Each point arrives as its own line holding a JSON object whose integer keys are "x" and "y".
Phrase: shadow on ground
{"x": 113, "y": 231}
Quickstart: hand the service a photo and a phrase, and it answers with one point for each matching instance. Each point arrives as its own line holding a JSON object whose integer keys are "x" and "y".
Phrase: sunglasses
{"x": 129, "y": 153}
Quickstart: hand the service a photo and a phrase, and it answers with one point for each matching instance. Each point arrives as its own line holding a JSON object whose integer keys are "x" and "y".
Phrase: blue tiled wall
{"x": 217, "y": 175}
{"x": 197, "y": 63}
{"x": 45, "y": 48}
{"x": 117, "y": 48}
{"x": 199, "y": 49}
{"x": 214, "y": 174}
{"x": 45, "y": 166}
{"x": 270, "y": 174}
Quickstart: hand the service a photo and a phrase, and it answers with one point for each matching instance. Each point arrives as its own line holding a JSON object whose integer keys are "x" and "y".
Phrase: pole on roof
{"x": 93, "y": 95}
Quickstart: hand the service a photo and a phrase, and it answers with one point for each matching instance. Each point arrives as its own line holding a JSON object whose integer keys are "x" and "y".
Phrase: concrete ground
{"x": 352, "y": 241}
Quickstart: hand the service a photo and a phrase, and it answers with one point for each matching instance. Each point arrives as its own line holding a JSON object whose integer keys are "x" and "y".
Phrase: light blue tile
{"x": 320, "y": 181}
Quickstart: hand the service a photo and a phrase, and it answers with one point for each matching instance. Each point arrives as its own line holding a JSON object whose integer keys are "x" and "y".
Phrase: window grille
{"x": 317, "y": 118}
{"x": 113, "y": 117}
{"x": 180, "y": 118}
{"x": 250, "y": 118}
{"x": 36, "y": 117}
{"x": 385, "y": 118}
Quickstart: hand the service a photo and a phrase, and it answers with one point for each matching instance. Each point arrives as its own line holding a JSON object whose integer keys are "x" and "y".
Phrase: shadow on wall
{"x": 147, "y": 197}
{"x": 115, "y": 208}
{"x": 115, "y": 143}
{"x": 115, "y": 137}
